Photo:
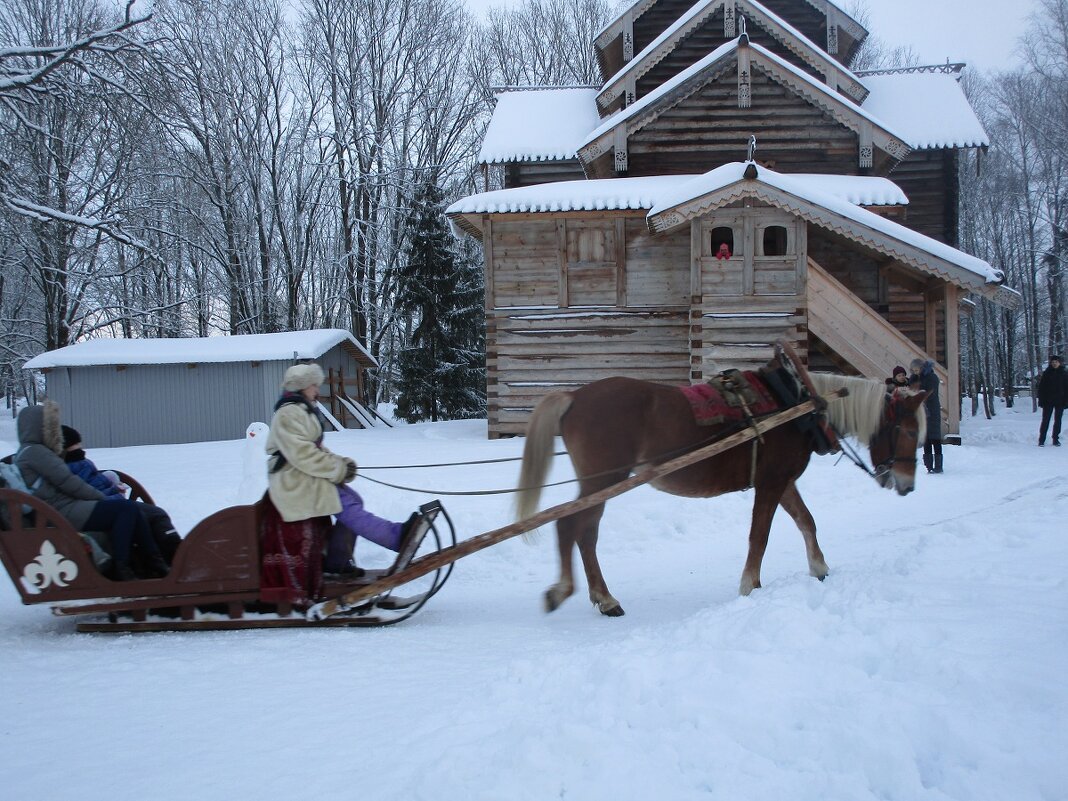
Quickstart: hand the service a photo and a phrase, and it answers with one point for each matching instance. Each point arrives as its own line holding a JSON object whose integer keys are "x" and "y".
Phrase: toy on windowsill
{"x": 724, "y": 251}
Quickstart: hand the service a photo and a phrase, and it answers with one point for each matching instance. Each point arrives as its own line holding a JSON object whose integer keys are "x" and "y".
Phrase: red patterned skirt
{"x": 292, "y": 557}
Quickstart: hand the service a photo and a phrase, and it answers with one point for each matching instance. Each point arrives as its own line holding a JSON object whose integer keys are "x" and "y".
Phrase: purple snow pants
{"x": 361, "y": 523}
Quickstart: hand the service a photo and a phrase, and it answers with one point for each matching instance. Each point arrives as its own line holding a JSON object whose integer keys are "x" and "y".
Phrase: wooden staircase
{"x": 860, "y": 337}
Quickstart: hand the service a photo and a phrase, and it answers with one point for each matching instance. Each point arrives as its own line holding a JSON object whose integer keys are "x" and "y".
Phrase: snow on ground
{"x": 930, "y": 665}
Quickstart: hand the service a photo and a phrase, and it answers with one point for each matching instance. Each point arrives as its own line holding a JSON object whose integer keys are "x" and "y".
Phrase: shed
{"x": 119, "y": 392}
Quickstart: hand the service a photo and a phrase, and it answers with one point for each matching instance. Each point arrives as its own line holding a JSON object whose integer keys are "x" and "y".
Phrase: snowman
{"x": 254, "y": 464}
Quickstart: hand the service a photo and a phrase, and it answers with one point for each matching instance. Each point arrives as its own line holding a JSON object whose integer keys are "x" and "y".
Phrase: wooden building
{"x": 840, "y": 225}
{"x": 120, "y": 392}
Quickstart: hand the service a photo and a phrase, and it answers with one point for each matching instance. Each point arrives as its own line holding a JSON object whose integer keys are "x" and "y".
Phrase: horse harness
{"x": 787, "y": 389}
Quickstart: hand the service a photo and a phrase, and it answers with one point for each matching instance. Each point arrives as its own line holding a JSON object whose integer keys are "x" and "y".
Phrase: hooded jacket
{"x": 40, "y": 446}
{"x": 305, "y": 485}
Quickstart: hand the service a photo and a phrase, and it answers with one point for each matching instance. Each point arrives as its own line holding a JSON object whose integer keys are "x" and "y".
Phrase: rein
{"x": 629, "y": 468}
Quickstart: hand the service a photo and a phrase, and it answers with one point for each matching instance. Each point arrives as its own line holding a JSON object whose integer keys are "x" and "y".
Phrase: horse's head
{"x": 893, "y": 448}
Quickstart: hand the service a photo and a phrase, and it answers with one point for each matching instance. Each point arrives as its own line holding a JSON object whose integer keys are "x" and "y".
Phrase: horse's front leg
{"x": 795, "y": 507}
{"x": 764, "y": 505}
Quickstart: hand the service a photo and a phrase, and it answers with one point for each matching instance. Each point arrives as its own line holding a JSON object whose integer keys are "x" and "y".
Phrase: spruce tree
{"x": 442, "y": 368}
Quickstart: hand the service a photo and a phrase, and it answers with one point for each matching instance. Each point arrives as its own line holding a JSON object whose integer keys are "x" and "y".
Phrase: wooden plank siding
{"x": 535, "y": 353}
{"x": 530, "y": 173}
{"x": 577, "y": 297}
{"x": 708, "y": 130}
{"x": 703, "y": 40}
{"x": 931, "y": 181}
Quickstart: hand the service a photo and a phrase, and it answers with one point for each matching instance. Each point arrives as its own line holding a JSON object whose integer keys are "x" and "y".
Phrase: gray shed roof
{"x": 284, "y": 346}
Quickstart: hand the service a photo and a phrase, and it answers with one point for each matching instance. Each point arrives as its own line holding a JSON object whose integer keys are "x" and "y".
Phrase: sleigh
{"x": 214, "y": 581}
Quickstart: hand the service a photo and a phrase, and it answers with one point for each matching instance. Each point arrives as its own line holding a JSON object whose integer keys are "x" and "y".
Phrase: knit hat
{"x": 899, "y": 370}
{"x": 302, "y": 376}
{"x": 1054, "y": 357}
{"x": 70, "y": 437}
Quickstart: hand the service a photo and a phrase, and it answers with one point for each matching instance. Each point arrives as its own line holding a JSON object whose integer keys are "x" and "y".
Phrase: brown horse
{"x": 617, "y": 426}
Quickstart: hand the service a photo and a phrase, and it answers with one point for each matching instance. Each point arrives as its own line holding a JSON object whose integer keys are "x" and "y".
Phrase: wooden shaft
{"x": 446, "y": 556}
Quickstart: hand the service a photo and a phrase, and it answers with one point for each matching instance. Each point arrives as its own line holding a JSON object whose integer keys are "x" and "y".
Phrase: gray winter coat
{"x": 40, "y": 446}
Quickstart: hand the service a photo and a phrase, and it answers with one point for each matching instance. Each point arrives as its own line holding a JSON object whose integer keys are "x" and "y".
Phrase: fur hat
{"x": 1055, "y": 357}
{"x": 899, "y": 370}
{"x": 302, "y": 376}
{"x": 70, "y": 437}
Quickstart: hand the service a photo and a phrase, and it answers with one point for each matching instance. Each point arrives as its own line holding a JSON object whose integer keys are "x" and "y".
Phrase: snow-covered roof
{"x": 284, "y": 346}
{"x": 929, "y": 109}
{"x": 539, "y": 125}
{"x": 722, "y": 53}
{"x": 814, "y": 194}
{"x": 649, "y": 192}
{"x": 700, "y": 11}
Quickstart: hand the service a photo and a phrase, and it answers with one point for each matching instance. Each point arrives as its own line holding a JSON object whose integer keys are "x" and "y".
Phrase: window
{"x": 775, "y": 241}
{"x": 722, "y": 242}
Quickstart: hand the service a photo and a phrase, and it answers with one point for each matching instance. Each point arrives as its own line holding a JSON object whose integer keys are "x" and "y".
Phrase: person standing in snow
{"x": 932, "y": 446}
{"x": 1052, "y": 397}
{"x": 40, "y": 460}
{"x": 307, "y": 481}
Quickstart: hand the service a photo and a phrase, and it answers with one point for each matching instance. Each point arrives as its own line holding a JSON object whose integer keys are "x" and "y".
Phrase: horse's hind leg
{"x": 582, "y": 527}
{"x": 795, "y": 507}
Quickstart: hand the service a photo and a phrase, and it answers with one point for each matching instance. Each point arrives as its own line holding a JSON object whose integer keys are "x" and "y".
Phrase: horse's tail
{"x": 538, "y": 451}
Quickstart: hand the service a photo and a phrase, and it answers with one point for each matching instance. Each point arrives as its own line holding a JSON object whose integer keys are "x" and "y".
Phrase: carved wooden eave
{"x": 840, "y": 26}
{"x": 835, "y": 75}
{"x": 743, "y": 57}
{"x": 853, "y": 230}
{"x": 621, "y": 28}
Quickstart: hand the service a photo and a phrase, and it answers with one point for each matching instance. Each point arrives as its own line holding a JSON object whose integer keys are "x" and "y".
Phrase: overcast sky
{"x": 982, "y": 33}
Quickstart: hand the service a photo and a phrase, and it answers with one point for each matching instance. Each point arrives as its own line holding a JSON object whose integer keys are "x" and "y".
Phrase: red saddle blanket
{"x": 721, "y": 399}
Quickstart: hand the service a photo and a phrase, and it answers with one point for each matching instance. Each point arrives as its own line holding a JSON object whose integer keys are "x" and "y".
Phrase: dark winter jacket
{"x": 1053, "y": 388}
{"x": 933, "y": 406}
{"x": 87, "y": 472}
{"x": 40, "y": 446}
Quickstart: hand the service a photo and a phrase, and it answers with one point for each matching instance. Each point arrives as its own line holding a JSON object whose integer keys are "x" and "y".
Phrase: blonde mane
{"x": 860, "y": 413}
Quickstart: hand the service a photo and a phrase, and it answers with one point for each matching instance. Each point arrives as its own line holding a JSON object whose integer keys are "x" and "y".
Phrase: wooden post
{"x": 953, "y": 363}
{"x": 621, "y": 262}
{"x": 561, "y": 257}
{"x": 930, "y": 324}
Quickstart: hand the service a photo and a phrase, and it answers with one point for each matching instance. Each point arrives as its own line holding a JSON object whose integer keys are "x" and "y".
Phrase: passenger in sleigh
{"x": 40, "y": 460}
{"x": 306, "y": 484}
{"x": 163, "y": 530}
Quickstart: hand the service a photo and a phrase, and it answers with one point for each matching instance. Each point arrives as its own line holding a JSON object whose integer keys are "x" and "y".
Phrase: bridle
{"x": 886, "y": 465}
{"x": 892, "y": 416}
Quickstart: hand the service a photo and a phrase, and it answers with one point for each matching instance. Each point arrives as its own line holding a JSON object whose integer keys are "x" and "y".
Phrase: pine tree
{"x": 443, "y": 368}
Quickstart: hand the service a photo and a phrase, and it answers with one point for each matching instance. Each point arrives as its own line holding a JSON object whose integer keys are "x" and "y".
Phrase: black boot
{"x": 938, "y": 463}
{"x": 157, "y": 566}
{"x": 121, "y": 571}
{"x": 928, "y": 463}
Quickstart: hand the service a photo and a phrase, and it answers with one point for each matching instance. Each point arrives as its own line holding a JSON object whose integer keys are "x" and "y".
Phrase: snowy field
{"x": 932, "y": 663}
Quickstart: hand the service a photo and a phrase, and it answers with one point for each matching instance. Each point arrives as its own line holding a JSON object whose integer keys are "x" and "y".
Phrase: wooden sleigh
{"x": 214, "y": 581}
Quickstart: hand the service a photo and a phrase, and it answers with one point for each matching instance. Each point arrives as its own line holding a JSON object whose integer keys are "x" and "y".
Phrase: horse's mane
{"x": 860, "y": 412}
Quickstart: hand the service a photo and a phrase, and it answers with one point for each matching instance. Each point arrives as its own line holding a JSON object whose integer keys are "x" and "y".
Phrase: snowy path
{"x": 930, "y": 665}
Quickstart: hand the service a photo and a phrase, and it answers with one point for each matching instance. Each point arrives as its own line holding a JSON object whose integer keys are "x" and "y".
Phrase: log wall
{"x": 708, "y": 130}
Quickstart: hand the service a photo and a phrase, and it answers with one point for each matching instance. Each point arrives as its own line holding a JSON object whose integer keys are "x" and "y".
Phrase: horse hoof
{"x": 552, "y": 601}
{"x": 821, "y": 578}
{"x": 613, "y": 611}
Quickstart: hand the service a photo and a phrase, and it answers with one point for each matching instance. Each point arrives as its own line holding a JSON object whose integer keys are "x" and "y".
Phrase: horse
{"x": 616, "y": 426}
